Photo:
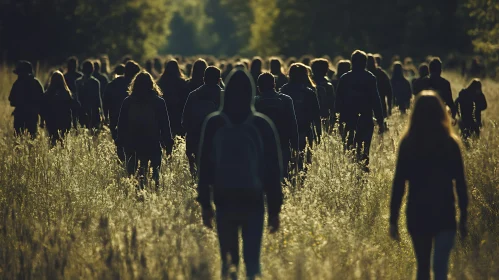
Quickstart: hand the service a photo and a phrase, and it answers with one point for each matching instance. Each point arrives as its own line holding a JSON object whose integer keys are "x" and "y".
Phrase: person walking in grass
{"x": 240, "y": 164}
{"x": 429, "y": 158}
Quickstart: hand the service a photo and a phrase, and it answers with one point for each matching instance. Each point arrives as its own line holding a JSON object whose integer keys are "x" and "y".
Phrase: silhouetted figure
{"x": 276, "y": 70}
{"x": 89, "y": 96}
{"x": 280, "y": 110}
{"x": 325, "y": 92}
{"x": 307, "y": 111}
{"x": 102, "y": 78}
{"x": 175, "y": 92}
{"x": 25, "y": 96}
{"x": 116, "y": 92}
{"x": 418, "y": 83}
{"x": 384, "y": 85}
{"x": 228, "y": 68}
{"x": 119, "y": 70}
{"x": 200, "y": 103}
{"x": 402, "y": 91}
{"x": 357, "y": 98}
{"x": 256, "y": 68}
{"x": 410, "y": 70}
{"x": 72, "y": 73}
{"x": 149, "y": 67}
{"x": 430, "y": 160}
{"x": 343, "y": 67}
{"x": 435, "y": 82}
{"x": 58, "y": 107}
{"x": 470, "y": 104}
{"x": 197, "y": 75}
{"x": 240, "y": 159}
{"x": 144, "y": 128}
{"x": 105, "y": 66}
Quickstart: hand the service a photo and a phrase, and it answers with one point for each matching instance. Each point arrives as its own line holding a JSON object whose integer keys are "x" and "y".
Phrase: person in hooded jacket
{"x": 144, "y": 128}
{"x": 89, "y": 96}
{"x": 276, "y": 70}
{"x": 279, "y": 108}
{"x": 58, "y": 107}
{"x": 240, "y": 164}
{"x": 101, "y": 77}
{"x": 200, "y": 103}
{"x": 72, "y": 73}
{"x": 418, "y": 83}
{"x": 356, "y": 100}
{"x": 175, "y": 92}
{"x": 307, "y": 111}
{"x": 26, "y": 97}
{"x": 402, "y": 91}
{"x": 470, "y": 104}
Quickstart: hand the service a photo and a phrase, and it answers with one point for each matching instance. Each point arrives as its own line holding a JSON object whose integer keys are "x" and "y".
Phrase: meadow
{"x": 72, "y": 213}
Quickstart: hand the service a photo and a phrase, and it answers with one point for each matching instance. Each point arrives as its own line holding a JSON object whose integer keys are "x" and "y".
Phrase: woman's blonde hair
{"x": 57, "y": 81}
{"x": 430, "y": 125}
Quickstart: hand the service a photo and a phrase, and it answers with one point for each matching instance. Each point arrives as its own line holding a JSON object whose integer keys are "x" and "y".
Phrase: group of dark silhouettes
{"x": 243, "y": 146}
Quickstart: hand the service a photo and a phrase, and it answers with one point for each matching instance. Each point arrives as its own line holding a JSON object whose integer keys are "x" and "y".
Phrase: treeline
{"x": 54, "y": 29}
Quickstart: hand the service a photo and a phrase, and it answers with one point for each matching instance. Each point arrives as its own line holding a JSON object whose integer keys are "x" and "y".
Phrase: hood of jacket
{"x": 238, "y": 97}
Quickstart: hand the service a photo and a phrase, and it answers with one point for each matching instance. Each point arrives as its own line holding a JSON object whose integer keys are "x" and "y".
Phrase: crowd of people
{"x": 249, "y": 131}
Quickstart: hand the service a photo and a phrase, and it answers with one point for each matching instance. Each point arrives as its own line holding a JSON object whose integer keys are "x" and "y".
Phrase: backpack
{"x": 274, "y": 108}
{"x": 200, "y": 109}
{"x": 142, "y": 122}
{"x": 238, "y": 154}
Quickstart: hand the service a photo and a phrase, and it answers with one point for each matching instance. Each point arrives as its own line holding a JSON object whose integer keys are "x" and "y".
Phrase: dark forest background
{"x": 51, "y": 30}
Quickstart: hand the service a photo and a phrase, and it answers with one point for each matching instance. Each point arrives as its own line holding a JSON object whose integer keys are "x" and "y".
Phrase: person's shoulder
{"x": 263, "y": 122}
{"x": 284, "y": 97}
{"x": 285, "y": 87}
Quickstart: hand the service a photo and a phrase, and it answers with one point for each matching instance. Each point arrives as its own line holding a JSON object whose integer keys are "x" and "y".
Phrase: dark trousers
{"x": 442, "y": 244}
{"x": 141, "y": 160}
{"x": 358, "y": 135}
{"x": 191, "y": 150}
{"x": 250, "y": 223}
{"x": 26, "y": 122}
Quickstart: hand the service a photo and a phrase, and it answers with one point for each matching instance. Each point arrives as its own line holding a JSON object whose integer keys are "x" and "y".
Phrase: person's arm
{"x": 376, "y": 102}
{"x": 205, "y": 166}
{"x": 186, "y": 118}
{"x": 316, "y": 113}
{"x": 122, "y": 123}
{"x": 388, "y": 91}
{"x": 398, "y": 186}
{"x": 164, "y": 125}
{"x": 338, "y": 104}
{"x": 273, "y": 169}
{"x": 461, "y": 186}
{"x": 293, "y": 125}
{"x": 107, "y": 101}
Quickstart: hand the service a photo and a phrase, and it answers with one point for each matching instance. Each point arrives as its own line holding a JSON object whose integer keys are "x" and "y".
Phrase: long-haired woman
{"x": 58, "y": 107}
{"x": 144, "y": 127}
{"x": 175, "y": 92}
{"x": 430, "y": 160}
{"x": 470, "y": 104}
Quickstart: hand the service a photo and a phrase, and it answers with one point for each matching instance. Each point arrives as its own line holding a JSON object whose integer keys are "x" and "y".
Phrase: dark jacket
{"x": 103, "y": 80}
{"x": 58, "y": 109}
{"x": 385, "y": 90}
{"x": 357, "y": 98}
{"x": 192, "y": 127}
{"x": 88, "y": 93}
{"x": 116, "y": 92}
{"x": 326, "y": 102}
{"x": 71, "y": 78}
{"x": 280, "y": 80}
{"x": 418, "y": 85}
{"x": 430, "y": 203}
{"x": 307, "y": 111}
{"x": 402, "y": 91}
{"x": 469, "y": 106}
{"x": 175, "y": 92}
{"x": 26, "y": 95}
{"x": 131, "y": 140}
{"x": 284, "y": 121}
{"x": 443, "y": 89}
{"x": 238, "y": 107}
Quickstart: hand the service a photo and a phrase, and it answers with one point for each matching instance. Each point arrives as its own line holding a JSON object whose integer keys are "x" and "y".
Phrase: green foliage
{"x": 72, "y": 213}
{"x": 486, "y": 30}
{"x": 54, "y": 29}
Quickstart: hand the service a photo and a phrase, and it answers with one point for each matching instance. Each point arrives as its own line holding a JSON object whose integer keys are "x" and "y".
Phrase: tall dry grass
{"x": 72, "y": 213}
